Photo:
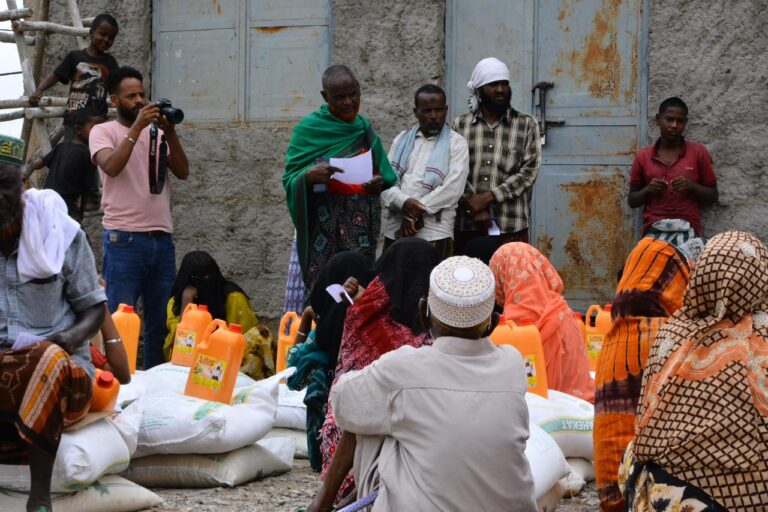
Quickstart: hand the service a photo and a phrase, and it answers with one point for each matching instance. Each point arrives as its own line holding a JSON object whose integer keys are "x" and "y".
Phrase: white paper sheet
{"x": 25, "y": 339}
{"x": 357, "y": 170}
{"x": 336, "y": 291}
{"x": 494, "y": 229}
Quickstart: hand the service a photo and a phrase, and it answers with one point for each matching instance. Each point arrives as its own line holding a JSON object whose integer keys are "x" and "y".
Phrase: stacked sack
{"x": 189, "y": 442}
{"x": 291, "y": 419}
{"x": 83, "y": 477}
{"x": 560, "y": 447}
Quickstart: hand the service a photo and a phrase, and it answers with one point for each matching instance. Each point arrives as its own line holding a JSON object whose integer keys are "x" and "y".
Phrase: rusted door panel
{"x": 285, "y": 66}
{"x": 289, "y": 12}
{"x": 488, "y": 28}
{"x": 240, "y": 60}
{"x": 196, "y": 57}
{"x": 195, "y": 14}
{"x": 583, "y": 227}
{"x": 198, "y": 71}
{"x": 589, "y": 49}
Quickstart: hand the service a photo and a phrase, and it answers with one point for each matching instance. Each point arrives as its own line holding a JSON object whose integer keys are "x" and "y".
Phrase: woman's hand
{"x": 353, "y": 288}
{"x": 188, "y": 295}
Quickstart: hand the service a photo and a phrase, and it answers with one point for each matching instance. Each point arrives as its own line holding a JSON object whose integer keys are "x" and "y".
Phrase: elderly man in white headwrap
{"x": 504, "y": 158}
{"x": 443, "y": 427}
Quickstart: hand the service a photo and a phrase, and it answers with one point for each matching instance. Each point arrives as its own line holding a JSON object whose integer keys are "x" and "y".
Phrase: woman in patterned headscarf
{"x": 650, "y": 290}
{"x": 529, "y": 288}
{"x": 702, "y": 427}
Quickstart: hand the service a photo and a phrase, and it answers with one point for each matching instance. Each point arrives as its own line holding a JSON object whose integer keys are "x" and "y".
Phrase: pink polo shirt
{"x": 693, "y": 162}
{"x": 128, "y": 205}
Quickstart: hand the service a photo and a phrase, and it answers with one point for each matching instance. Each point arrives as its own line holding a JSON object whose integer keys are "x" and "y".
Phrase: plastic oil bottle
{"x": 216, "y": 362}
{"x": 128, "y": 326}
{"x": 525, "y": 338}
{"x": 596, "y": 329}
{"x": 193, "y": 322}
{"x": 286, "y": 338}
{"x": 105, "y": 390}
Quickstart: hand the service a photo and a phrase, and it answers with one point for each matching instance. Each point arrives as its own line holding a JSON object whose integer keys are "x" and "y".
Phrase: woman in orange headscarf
{"x": 529, "y": 288}
{"x": 650, "y": 290}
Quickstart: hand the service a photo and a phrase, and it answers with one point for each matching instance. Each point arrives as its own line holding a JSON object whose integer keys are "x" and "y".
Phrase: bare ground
{"x": 290, "y": 492}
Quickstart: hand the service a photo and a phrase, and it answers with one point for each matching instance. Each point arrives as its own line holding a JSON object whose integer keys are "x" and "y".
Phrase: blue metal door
{"x": 591, "y": 52}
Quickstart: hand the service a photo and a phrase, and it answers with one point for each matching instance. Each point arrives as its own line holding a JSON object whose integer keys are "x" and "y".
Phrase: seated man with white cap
{"x": 443, "y": 427}
{"x": 504, "y": 158}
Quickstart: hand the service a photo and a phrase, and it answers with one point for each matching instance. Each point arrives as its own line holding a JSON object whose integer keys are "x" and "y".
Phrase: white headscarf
{"x": 46, "y": 234}
{"x": 487, "y": 71}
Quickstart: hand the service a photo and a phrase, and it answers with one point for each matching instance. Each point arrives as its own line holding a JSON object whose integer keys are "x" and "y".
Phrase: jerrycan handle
{"x": 217, "y": 323}
{"x": 294, "y": 326}
{"x": 125, "y": 308}
{"x": 588, "y": 319}
{"x": 189, "y": 307}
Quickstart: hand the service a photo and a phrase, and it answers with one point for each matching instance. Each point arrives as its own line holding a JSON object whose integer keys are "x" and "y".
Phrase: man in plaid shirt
{"x": 504, "y": 158}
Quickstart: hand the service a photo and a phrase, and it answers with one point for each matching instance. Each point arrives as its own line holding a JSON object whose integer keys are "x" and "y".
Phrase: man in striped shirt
{"x": 504, "y": 158}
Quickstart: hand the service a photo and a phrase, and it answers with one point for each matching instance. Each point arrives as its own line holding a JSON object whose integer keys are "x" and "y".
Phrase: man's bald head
{"x": 341, "y": 91}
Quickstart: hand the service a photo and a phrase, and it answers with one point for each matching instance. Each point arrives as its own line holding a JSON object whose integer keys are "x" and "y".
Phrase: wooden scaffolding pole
{"x": 38, "y": 125}
{"x": 48, "y": 107}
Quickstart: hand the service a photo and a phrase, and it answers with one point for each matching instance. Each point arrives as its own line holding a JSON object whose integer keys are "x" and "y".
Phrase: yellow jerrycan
{"x": 216, "y": 362}
{"x": 128, "y": 326}
{"x": 289, "y": 326}
{"x": 105, "y": 390}
{"x": 525, "y": 338}
{"x": 596, "y": 329}
{"x": 190, "y": 329}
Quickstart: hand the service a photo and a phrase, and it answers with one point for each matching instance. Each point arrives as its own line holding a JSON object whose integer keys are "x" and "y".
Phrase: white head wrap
{"x": 486, "y": 71}
{"x": 461, "y": 292}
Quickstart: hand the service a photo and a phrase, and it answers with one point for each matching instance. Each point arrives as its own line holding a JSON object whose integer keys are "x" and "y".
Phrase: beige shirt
{"x": 440, "y": 428}
{"x": 443, "y": 199}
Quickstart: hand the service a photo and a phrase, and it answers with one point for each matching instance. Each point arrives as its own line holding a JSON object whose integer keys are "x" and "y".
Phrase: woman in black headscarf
{"x": 329, "y": 314}
{"x": 201, "y": 282}
{"x": 315, "y": 360}
{"x": 384, "y": 318}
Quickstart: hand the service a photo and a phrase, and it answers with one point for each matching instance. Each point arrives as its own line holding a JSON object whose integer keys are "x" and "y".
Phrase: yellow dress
{"x": 258, "y": 361}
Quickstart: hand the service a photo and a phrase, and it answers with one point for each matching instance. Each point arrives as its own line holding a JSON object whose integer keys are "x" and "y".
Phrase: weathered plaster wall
{"x": 714, "y": 55}
{"x": 233, "y": 204}
{"x": 394, "y": 47}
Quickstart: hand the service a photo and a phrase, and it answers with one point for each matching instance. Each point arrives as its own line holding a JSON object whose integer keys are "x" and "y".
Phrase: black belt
{"x": 155, "y": 233}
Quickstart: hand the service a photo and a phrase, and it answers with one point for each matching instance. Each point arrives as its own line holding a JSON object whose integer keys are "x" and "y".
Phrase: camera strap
{"x": 157, "y": 171}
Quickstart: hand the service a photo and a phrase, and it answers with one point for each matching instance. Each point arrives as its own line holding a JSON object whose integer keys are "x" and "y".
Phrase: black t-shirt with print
{"x": 89, "y": 77}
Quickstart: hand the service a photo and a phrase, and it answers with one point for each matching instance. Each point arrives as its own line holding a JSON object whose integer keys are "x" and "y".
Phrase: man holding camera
{"x": 133, "y": 154}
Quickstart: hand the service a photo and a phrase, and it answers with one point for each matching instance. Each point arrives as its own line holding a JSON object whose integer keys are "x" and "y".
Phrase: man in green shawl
{"x": 331, "y": 216}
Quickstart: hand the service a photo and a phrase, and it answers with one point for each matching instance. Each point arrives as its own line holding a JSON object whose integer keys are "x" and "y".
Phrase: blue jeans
{"x": 137, "y": 265}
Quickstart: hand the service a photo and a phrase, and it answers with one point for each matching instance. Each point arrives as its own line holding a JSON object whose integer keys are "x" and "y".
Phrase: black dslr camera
{"x": 173, "y": 115}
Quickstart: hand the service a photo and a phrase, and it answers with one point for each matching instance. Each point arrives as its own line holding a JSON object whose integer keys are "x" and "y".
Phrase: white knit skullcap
{"x": 461, "y": 292}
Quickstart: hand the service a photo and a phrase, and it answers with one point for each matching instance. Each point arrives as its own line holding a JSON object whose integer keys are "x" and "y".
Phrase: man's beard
{"x": 128, "y": 114}
{"x": 12, "y": 227}
{"x": 494, "y": 106}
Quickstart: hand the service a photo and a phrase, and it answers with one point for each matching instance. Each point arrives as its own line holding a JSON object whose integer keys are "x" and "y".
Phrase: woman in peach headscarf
{"x": 529, "y": 288}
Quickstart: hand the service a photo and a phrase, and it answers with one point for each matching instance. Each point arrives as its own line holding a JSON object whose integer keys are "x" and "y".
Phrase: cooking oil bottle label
{"x": 185, "y": 340}
{"x": 208, "y": 372}
{"x": 530, "y": 370}
{"x": 594, "y": 345}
